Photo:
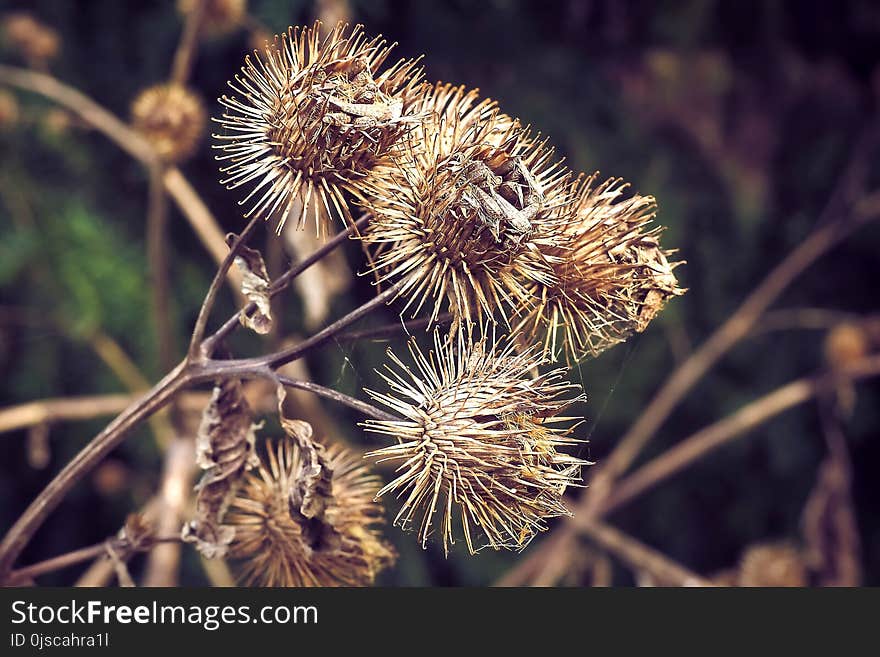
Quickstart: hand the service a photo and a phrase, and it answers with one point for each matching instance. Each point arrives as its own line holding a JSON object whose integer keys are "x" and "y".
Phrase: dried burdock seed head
{"x": 610, "y": 275}
{"x": 478, "y": 442}
{"x": 219, "y": 17}
{"x": 275, "y": 545}
{"x": 311, "y": 117}
{"x": 845, "y": 345}
{"x": 461, "y": 214}
{"x": 36, "y": 42}
{"x": 773, "y": 564}
{"x": 57, "y": 121}
{"x": 171, "y": 118}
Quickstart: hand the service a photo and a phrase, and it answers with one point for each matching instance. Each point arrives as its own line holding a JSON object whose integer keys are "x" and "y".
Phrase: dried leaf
{"x": 224, "y": 451}
{"x": 255, "y": 286}
{"x": 136, "y": 534}
{"x": 314, "y": 490}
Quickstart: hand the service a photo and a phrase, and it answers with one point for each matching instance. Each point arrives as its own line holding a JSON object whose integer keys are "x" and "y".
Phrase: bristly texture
{"x": 478, "y": 442}
{"x": 277, "y": 546}
{"x": 461, "y": 214}
{"x": 311, "y": 116}
{"x": 171, "y": 118}
{"x": 610, "y": 275}
{"x": 773, "y": 564}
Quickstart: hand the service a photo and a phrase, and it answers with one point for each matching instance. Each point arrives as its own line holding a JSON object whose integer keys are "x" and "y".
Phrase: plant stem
{"x": 265, "y": 366}
{"x": 334, "y": 395}
{"x": 186, "y": 49}
{"x": 195, "y": 351}
{"x": 284, "y": 356}
{"x": 388, "y": 330}
{"x": 163, "y": 562}
{"x": 23, "y": 530}
{"x": 187, "y": 199}
{"x": 157, "y": 257}
{"x": 201, "y": 221}
{"x": 65, "y": 408}
{"x": 72, "y": 558}
{"x": 280, "y": 284}
{"x": 185, "y": 374}
{"x": 639, "y": 556}
{"x": 712, "y": 437}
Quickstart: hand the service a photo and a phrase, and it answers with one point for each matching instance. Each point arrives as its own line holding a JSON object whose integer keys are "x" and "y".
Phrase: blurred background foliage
{"x": 740, "y": 117}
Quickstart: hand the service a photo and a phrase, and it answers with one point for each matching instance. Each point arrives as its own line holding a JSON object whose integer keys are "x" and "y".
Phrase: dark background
{"x": 738, "y": 116}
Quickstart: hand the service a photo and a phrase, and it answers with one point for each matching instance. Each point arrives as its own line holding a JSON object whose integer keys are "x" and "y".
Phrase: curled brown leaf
{"x": 255, "y": 286}
{"x": 224, "y": 451}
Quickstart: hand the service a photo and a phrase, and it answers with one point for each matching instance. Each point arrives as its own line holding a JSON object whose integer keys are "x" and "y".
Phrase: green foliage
{"x": 100, "y": 274}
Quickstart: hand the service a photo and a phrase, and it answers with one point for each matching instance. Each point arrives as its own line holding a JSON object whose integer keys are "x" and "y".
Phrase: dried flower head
{"x": 461, "y": 213}
{"x": 277, "y": 546}
{"x": 311, "y": 116}
{"x": 610, "y": 275}
{"x": 773, "y": 564}
{"x": 478, "y": 442}
{"x": 36, "y": 42}
{"x": 219, "y": 17}
{"x": 845, "y": 345}
{"x": 171, "y": 118}
{"x": 57, "y": 121}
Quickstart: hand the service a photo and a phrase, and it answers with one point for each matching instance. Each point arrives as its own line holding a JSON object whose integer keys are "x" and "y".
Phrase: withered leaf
{"x": 224, "y": 451}
{"x": 255, "y": 286}
{"x": 136, "y": 534}
{"x": 313, "y": 490}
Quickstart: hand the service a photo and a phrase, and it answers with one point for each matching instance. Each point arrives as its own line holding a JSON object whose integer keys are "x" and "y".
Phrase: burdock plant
{"x": 479, "y": 441}
{"x": 468, "y": 219}
{"x": 310, "y": 117}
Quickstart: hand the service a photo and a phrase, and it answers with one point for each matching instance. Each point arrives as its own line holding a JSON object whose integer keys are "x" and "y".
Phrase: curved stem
{"x": 265, "y": 366}
{"x": 201, "y": 221}
{"x": 157, "y": 257}
{"x": 191, "y": 205}
{"x": 72, "y": 558}
{"x": 65, "y": 408}
{"x": 87, "y": 109}
{"x": 189, "y": 40}
{"x": 390, "y": 330}
{"x": 322, "y": 337}
{"x": 281, "y": 283}
{"x": 328, "y": 393}
{"x": 712, "y": 437}
{"x": 639, "y": 556}
{"x": 29, "y": 522}
{"x": 211, "y": 296}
